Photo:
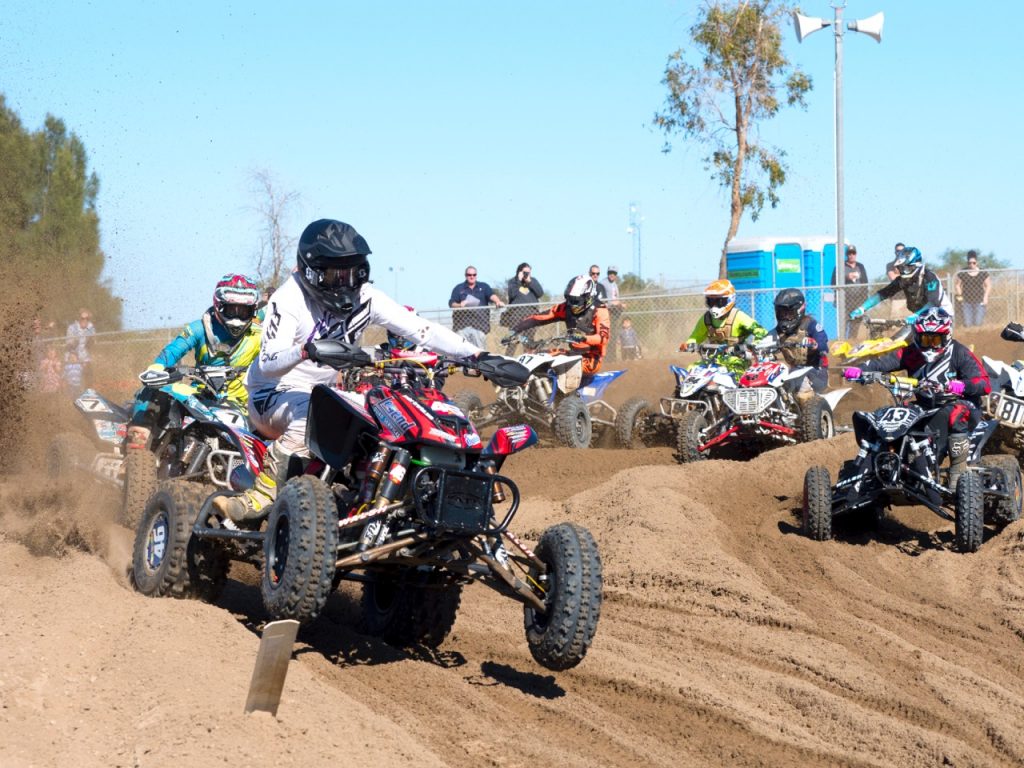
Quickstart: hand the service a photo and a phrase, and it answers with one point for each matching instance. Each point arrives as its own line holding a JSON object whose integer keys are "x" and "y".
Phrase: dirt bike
{"x": 898, "y": 464}
{"x": 876, "y": 343}
{"x": 186, "y": 407}
{"x": 401, "y": 496}
{"x": 558, "y": 400}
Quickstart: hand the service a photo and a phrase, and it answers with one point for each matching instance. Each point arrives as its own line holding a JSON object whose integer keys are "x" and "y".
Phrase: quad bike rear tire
{"x": 560, "y": 636}
{"x": 165, "y": 561}
{"x": 300, "y": 549}
{"x": 1005, "y": 511}
{"x": 470, "y": 404}
{"x": 970, "y": 513}
{"x": 410, "y": 607}
{"x": 629, "y": 422}
{"x": 688, "y": 437}
{"x": 817, "y": 512}
{"x": 572, "y": 424}
{"x": 816, "y": 420}
{"x": 67, "y": 453}
{"x": 140, "y": 482}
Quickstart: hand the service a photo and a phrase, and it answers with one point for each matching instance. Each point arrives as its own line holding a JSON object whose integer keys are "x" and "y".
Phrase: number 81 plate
{"x": 1010, "y": 411}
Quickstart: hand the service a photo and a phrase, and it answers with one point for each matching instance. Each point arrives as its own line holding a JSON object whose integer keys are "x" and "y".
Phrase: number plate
{"x": 1010, "y": 411}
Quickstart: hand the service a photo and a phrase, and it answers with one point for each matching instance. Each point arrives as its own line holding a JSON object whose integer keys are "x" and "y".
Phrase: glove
{"x": 852, "y": 373}
{"x": 955, "y": 387}
{"x": 909, "y": 319}
{"x": 809, "y": 343}
{"x": 309, "y": 352}
{"x": 576, "y": 335}
{"x": 858, "y": 312}
{"x": 688, "y": 346}
{"x": 156, "y": 367}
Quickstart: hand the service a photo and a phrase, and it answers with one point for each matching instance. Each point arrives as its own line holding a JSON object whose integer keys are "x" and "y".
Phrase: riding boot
{"x": 959, "y": 449}
{"x": 254, "y": 504}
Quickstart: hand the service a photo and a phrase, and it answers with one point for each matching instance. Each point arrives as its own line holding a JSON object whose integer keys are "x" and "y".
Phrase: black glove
{"x": 576, "y": 335}
{"x": 310, "y": 349}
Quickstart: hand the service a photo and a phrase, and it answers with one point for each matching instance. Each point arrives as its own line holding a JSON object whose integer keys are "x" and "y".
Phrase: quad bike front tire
{"x": 970, "y": 512}
{"x": 300, "y": 549}
{"x": 164, "y": 556}
{"x": 573, "y": 426}
{"x": 1006, "y": 511}
{"x": 688, "y": 437}
{"x": 629, "y": 422}
{"x": 560, "y": 635}
{"x": 67, "y": 453}
{"x": 817, "y": 512}
{"x": 140, "y": 482}
{"x": 816, "y": 420}
{"x": 410, "y": 607}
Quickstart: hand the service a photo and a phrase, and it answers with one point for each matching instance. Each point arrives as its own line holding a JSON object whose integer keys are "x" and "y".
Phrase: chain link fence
{"x": 662, "y": 321}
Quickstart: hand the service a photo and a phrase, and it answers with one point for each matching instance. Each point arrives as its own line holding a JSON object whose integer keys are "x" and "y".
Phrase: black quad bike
{"x": 898, "y": 464}
{"x": 402, "y": 497}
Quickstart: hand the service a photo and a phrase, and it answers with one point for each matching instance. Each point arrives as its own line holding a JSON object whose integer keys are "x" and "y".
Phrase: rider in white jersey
{"x": 328, "y": 296}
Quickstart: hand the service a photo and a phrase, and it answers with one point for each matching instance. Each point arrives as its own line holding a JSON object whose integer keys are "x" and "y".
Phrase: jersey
{"x": 292, "y": 320}
{"x": 735, "y": 326}
{"x": 592, "y": 347}
{"x": 213, "y": 345}
{"x": 956, "y": 362}
{"x": 924, "y": 292}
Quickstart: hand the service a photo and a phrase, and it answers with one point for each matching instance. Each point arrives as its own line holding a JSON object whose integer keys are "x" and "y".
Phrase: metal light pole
{"x": 635, "y": 220}
{"x": 872, "y": 26}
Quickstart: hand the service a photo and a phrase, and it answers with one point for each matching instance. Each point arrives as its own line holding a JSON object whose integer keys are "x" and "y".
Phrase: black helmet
{"x": 580, "y": 294}
{"x": 789, "y": 309}
{"x": 332, "y": 264}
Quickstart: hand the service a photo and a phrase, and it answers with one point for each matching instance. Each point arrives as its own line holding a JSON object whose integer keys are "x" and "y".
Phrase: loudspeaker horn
{"x": 871, "y": 26}
{"x": 805, "y": 25}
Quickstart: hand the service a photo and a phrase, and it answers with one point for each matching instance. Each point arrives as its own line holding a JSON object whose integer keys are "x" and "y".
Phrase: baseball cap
{"x": 613, "y": 269}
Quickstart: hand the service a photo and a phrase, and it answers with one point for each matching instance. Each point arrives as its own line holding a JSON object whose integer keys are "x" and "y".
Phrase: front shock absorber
{"x": 390, "y": 490}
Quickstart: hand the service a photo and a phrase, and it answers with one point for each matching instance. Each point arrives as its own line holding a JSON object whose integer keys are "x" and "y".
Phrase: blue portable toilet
{"x": 765, "y": 265}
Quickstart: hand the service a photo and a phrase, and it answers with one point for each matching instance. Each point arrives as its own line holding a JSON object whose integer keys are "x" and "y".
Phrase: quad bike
{"x": 401, "y": 496}
{"x": 1005, "y": 404}
{"x": 877, "y": 343}
{"x": 186, "y": 407}
{"x": 558, "y": 400}
{"x": 898, "y": 464}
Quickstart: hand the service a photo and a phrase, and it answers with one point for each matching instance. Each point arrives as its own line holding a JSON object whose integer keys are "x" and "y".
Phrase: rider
{"x": 328, "y": 296}
{"x": 935, "y": 356}
{"x": 586, "y": 320}
{"x": 802, "y": 339}
{"x": 920, "y": 286}
{"x": 723, "y": 323}
{"x": 228, "y": 334}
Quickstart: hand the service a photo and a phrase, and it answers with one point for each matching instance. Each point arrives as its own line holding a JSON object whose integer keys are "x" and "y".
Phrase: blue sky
{"x": 457, "y": 132}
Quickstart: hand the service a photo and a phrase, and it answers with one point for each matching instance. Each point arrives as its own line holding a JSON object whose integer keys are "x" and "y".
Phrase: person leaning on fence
{"x": 523, "y": 289}
{"x": 472, "y": 318}
{"x": 854, "y": 284}
{"x": 972, "y": 288}
{"x": 723, "y": 323}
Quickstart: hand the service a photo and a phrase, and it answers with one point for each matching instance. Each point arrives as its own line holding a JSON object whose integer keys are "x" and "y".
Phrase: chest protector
{"x": 723, "y": 333}
{"x": 797, "y": 356}
{"x": 584, "y": 322}
{"x": 916, "y": 293}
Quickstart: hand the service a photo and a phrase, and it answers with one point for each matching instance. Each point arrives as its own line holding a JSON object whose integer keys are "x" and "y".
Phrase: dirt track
{"x": 726, "y": 638}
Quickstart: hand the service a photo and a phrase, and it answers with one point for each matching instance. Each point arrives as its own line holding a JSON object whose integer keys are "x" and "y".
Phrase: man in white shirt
{"x": 328, "y": 296}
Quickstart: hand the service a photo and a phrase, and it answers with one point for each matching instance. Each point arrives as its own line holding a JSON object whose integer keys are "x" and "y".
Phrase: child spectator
{"x": 629, "y": 343}
{"x": 72, "y": 374}
{"x": 50, "y": 371}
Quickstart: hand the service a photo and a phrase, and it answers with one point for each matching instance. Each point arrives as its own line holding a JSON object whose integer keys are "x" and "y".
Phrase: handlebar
{"x": 211, "y": 376}
{"x": 879, "y": 323}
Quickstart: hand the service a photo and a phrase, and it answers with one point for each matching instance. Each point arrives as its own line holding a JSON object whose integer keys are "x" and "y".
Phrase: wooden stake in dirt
{"x": 271, "y": 666}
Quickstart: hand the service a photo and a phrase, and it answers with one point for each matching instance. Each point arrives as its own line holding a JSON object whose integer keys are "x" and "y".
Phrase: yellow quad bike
{"x": 876, "y": 344}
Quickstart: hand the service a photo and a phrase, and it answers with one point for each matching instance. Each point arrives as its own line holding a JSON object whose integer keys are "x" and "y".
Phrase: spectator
{"x": 972, "y": 288}
{"x": 472, "y": 318}
{"x": 79, "y": 339}
{"x": 854, "y": 285}
{"x": 73, "y": 374}
{"x": 610, "y": 287}
{"x": 50, "y": 371}
{"x": 523, "y": 289}
{"x": 595, "y": 275}
{"x": 628, "y": 342}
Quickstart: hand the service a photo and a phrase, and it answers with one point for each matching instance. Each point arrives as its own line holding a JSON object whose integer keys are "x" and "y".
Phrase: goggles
{"x": 717, "y": 302}
{"x": 237, "y": 311}
{"x": 932, "y": 340}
